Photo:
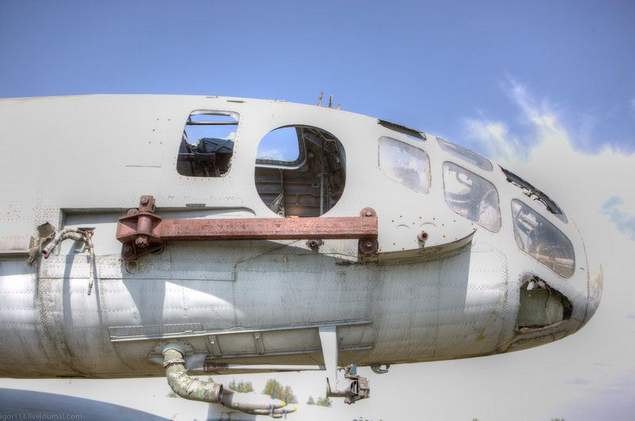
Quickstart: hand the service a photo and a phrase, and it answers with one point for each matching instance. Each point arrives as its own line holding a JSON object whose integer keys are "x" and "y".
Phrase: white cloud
{"x": 494, "y": 139}
{"x": 539, "y": 114}
{"x": 272, "y": 154}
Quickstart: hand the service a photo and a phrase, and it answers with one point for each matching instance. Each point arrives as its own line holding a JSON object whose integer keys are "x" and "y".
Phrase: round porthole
{"x": 300, "y": 170}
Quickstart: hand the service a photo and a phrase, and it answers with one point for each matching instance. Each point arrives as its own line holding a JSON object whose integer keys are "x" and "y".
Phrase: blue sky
{"x": 430, "y": 65}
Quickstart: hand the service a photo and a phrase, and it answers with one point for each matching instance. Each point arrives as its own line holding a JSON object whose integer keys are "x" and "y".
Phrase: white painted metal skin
{"x": 83, "y": 161}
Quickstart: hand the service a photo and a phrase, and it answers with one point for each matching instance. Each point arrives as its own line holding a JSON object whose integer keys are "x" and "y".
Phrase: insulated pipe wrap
{"x": 184, "y": 385}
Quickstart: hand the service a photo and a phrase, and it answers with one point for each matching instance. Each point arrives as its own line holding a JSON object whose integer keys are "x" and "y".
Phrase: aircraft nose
{"x": 594, "y": 288}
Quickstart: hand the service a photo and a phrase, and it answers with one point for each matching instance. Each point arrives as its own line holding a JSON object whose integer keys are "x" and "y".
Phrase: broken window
{"x": 415, "y": 134}
{"x": 471, "y": 196}
{"x": 300, "y": 170}
{"x": 465, "y": 154}
{"x": 542, "y": 240}
{"x": 404, "y": 163}
{"x": 530, "y": 191}
{"x": 541, "y": 306}
{"x": 207, "y": 144}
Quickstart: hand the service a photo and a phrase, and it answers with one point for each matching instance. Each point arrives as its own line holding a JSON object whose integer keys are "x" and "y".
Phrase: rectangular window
{"x": 542, "y": 240}
{"x": 471, "y": 196}
{"x": 207, "y": 145}
{"x": 405, "y": 164}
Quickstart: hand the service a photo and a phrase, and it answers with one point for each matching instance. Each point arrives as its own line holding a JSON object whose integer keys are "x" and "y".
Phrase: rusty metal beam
{"x": 142, "y": 231}
{"x": 267, "y": 228}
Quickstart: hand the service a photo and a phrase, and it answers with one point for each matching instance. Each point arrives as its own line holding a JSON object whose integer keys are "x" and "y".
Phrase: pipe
{"x": 65, "y": 234}
{"x": 184, "y": 385}
{"x": 190, "y": 388}
{"x": 85, "y": 236}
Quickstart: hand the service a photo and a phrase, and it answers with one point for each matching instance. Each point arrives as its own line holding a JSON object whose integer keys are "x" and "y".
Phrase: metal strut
{"x": 351, "y": 386}
{"x": 142, "y": 231}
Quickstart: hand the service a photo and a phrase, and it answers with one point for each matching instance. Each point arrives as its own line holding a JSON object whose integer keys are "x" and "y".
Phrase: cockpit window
{"x": 207, "y": 144}
{"x": 405, "y": 163}
{"x": 542, "y": 240}
{"x": 466, "y": 154}
{"x": 471, "y": 196}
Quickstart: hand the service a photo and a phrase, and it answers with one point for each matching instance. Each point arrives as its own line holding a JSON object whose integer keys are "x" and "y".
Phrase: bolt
{"x": 144, "y": 200}
{"x": 367, "y": 247}
{"x": 367, "y": 212}
{"x": 142, "y": 242}
{"x": 314, "y": 244}
{"x": 422, "y": 236}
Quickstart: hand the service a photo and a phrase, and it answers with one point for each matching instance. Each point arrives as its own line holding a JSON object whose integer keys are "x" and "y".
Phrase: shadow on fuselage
{"x": 30, "y": 405}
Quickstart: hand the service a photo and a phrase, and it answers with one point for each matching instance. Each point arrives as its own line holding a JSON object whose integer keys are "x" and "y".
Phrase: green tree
{"x": 310, "y": 401}
{"x": 274, "y": 389}
{"x": 289, "y": 397}
{"x": 242, "y": 387}
{"x": 325, "y": 401}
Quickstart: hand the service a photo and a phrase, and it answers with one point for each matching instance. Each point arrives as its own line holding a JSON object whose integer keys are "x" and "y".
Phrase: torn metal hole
{"x": 541, "y": 305}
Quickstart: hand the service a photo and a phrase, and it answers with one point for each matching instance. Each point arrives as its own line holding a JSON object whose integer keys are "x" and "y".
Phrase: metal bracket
{"x": 352, "y": 387}
{"x": 142, "y": 231}
{"x": 380, "y": 368}
{"x": 141, "y": 237}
